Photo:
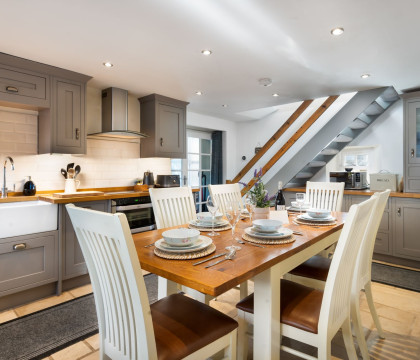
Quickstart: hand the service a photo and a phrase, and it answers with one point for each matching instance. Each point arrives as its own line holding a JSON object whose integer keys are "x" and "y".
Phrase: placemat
{"x": 205, "y": 228}
{"x": 256, "y": 240}
{"x": 314, "y": 223}
{"x": 187, "y": 256}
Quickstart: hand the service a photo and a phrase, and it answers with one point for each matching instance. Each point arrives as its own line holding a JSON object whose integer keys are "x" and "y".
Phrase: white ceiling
{"x": 155, "y": 46}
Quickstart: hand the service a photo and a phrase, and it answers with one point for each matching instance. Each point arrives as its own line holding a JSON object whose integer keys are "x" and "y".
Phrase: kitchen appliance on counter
{"x": 148, "y": 178}
{"x": 354, "y": 180}
{"x": 165, "y": 181}
{"x": 138, "y": 210}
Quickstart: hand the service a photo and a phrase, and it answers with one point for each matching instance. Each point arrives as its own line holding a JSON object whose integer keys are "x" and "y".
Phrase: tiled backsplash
{"x": 106, "y": 164}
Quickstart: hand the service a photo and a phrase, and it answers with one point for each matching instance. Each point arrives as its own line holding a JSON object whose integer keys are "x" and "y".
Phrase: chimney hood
{"x": 115, "y": 116}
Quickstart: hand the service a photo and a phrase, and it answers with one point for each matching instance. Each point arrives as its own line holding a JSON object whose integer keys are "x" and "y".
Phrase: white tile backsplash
{"x": 106, "y": 163}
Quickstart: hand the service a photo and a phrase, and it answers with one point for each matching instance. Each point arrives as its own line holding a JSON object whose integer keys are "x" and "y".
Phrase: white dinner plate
{"x": 281, "y": 233}
{"x": 220, "y": 223}
{"x": 310, "y": 218}
{"x": 202, "y": 243}
{"x": 291, "y": 208}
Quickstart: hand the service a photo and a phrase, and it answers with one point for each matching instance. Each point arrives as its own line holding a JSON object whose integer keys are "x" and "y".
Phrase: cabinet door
{"x": 171, "y": 131}
{"x": 28, "y": 261}
{"x": 407, "y": 229}
{"x": 74, "y": 262}
{"x": 412, "y": 146}
{"x": 68, "y": 117}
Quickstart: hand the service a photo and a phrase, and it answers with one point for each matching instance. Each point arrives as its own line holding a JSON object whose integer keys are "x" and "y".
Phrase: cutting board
{"x": 78, "y": 194}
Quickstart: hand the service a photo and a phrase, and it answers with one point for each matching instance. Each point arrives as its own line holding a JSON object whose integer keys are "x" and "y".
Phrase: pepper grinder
{"x": 29, "y": 188}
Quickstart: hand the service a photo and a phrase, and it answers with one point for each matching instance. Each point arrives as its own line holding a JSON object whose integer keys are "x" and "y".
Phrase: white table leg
{"x": 166, "y": 287}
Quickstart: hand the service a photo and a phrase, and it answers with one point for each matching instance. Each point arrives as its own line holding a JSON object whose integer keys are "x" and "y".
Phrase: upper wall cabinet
{"x": 164, "y": 120}
{"x": 412, "y": 142}
{"x": 59, "y": 95}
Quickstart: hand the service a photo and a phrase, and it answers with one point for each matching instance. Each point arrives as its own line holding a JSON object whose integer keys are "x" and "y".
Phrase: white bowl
{"x": 267, "y": 225}
{"x": 318, "y": 213}
{"x": 205, "y": 217}
{"x": 180, "y": 237}
{"x": 295, "y": 204}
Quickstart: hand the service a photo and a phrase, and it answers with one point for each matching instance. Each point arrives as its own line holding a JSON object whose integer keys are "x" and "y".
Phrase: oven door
{"x": 140, "y": 217}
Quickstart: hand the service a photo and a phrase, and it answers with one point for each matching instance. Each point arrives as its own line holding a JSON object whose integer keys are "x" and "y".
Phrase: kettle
{"x": 148, "y": 178}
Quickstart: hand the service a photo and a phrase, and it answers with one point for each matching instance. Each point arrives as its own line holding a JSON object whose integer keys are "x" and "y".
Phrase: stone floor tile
{"x": 43, "y": 304}
{"x": 7, "y": 315}
{"x": 72, "y": 352}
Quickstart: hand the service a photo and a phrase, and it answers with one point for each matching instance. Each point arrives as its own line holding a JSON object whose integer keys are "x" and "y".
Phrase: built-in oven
{"x": 138, "y": 210}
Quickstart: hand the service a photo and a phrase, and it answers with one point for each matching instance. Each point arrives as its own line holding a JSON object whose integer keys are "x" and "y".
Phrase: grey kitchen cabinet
{"x": 73, "y": 262}
{"x": 412, "y": 142}
{"x": 407, "y": 228}
{"x": 28, "y": 261}
{"x": 164, "y": 121}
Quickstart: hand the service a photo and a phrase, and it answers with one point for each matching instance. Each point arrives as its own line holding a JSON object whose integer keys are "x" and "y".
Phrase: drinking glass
{"x": 250, "y": 204}
{"x": 212, "y": 207}
{"x": 233, "y": 213}
{"x": 300, "y": 198}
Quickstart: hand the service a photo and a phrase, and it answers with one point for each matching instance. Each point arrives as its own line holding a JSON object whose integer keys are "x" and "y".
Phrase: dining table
{"x": 264, "y": 265}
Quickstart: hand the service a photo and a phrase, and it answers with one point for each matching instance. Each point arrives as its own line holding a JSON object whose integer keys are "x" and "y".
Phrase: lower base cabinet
{"x": 73, "y": 262}
{"x": 28, "y": 261}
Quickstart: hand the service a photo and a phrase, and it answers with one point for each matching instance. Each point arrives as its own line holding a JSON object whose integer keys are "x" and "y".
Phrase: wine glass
{"x": 233, "y": 213}
{"x": 212, "y": 207}
{"x": 250, "y": 204}
{"x": 300, "y": 198}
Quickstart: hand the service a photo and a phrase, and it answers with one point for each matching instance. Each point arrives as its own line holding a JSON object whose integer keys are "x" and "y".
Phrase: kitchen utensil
{"x": 70, "y": 166}
{"x": 70, "y": 173}
{"x": 77, "y": 170}
{"x": 149, "y": 245}
{"x": 229, "y": 256}
{"x": 64, "y": 173}
{"x": 244, "y": 242}
{"x": 211, "y": 258}
{"x": 148, "y": 178}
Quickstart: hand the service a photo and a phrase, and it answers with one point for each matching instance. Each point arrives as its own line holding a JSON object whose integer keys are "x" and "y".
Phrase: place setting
{"x": 183, "y": 244}
{"x": 316, "y": 217}
{"x": 268, "y": 231}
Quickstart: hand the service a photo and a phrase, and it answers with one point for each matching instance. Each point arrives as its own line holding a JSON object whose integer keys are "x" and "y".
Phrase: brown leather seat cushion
{"x": 300, "y": 306}
{"x": 316, "y": 267}
{"x": 183, "y": 326}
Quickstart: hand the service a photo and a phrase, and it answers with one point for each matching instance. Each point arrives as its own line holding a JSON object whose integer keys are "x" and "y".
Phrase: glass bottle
{"x": 29, "y": 188}
{"x": 280, "y": 200}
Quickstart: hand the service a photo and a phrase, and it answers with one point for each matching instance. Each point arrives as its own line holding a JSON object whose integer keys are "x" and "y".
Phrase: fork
{"x": 244, "y": 242}
{"x": 229, "y": 256}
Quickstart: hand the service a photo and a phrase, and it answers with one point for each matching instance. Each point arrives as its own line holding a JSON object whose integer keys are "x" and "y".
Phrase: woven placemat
{"x": 204, "y": 228}
{"x": 314, "y": 223}
{"x": 185, "y": 256}
{"x": 268, "y": 241}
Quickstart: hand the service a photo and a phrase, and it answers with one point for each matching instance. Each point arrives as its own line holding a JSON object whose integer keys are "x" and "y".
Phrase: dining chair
{"x": 175, "y": 327}
{"x": 314, "y": 272}
{"x": 325, "y": 195}
{"x": 225, "y": 193}
{"x": 314, "y": 316}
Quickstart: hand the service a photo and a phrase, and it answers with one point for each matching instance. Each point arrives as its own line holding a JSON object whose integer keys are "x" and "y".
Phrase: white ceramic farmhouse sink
{"x": 27, "y": 217}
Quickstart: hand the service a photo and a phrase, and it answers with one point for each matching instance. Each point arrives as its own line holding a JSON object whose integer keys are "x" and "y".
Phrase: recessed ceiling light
{"x": 108, "y": 64}
{"x": 225, "y": 105}
{"x": 265, "y": 82}
{"x": 198, "y": 93}
{"x": 365, "y": 76}
{"x": 206, "y": 52}
{"x": 337, "y": 31}
{"x": 275, "y": 95}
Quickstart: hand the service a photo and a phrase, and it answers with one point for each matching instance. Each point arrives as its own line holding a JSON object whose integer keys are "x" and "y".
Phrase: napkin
{"x": 280, "y": 215}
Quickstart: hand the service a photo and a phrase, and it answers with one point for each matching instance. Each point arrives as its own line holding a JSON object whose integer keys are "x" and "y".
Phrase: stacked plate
{"x": 268, "y": 229}
{"x": 202, "y": 243}
{"x": 306, "y": 219}
{"x": 220, "y": 224}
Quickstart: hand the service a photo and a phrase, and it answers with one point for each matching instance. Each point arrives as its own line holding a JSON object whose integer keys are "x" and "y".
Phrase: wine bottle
{"x": 280, "y": 201}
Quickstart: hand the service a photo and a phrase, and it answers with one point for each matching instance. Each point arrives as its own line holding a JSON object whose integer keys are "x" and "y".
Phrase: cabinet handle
{"x": 77, "y": 133}
{"x": 12, "y": 89}
{"x": 399, "y": 212}
{"x": 19, "y": 246}
{"x": 161, "y": 141}
{"x": 412, "y": 153}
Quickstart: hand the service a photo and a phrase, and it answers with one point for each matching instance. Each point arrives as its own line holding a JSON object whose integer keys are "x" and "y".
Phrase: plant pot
{"x": 261, "y": 213}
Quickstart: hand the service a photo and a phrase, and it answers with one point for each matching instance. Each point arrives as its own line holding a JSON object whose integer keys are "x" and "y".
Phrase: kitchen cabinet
{"x": 412, "y": 142}
{"x": 28, "y": 261}
{"x": 164, "y": 121}
{"x": 73, "y": 260}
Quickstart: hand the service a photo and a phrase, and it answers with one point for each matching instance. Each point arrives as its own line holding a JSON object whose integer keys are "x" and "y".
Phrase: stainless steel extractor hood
{"x": 115, "y": 116}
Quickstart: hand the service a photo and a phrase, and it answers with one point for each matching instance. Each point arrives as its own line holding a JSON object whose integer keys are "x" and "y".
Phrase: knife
{"x": 213, "y": 257}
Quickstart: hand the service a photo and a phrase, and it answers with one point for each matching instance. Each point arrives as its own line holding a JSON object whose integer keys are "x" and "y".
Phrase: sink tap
{"x": 4, "y": 189}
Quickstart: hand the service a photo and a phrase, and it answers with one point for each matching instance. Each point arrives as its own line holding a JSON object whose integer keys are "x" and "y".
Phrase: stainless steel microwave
{"x": 354, "y": 180}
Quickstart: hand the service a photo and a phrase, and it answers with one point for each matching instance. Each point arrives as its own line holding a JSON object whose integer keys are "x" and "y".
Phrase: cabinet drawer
{"x": 22, "y": 86}
{"x": 28, "y": 261}
{"x": 381, "y": 243}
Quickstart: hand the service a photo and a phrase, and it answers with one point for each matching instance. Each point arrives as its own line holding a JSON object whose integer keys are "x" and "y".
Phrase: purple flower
{"x": 255, "y": 173}
{"x": 242, "y": 183}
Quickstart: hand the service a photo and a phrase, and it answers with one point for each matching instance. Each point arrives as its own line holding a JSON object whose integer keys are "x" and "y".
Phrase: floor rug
{"x": 40, "y": 334}
{"x": 396, "y": 276}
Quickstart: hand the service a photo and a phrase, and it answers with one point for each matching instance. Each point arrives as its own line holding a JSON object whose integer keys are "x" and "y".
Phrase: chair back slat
{"x": 225, "y": 193}
{"x": 125, "y": 323}
{"x": 172, "y": 206}
{"x": 325, "y": 195}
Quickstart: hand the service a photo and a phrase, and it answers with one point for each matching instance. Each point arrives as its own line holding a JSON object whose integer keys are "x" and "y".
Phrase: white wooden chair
{"x": 314, "y": 273}
{"x": 173, "y": 328}
{"x": 225, "y": 193}
{"x": 325, "y": 195}
{"x": 314, "y": 316}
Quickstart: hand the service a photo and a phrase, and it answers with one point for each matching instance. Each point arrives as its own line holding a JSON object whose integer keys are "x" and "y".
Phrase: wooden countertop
{"x": 366, "y": 192}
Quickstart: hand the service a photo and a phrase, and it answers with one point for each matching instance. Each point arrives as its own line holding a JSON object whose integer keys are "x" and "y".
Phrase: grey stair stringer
{"x": 366, "y": 106}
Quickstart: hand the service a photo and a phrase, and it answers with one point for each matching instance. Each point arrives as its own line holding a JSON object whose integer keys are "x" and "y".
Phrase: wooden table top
{"x": 249, "y": 261}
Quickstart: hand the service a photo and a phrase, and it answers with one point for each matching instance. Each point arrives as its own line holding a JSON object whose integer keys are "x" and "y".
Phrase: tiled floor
{"x": 399, "y": 312}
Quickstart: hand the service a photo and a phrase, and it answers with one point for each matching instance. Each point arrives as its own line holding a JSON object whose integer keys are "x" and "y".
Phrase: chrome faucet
{"x": 4, "y": 189}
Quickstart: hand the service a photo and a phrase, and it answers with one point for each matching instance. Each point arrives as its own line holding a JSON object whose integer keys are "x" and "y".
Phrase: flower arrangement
{"x": 258, "y": 192}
